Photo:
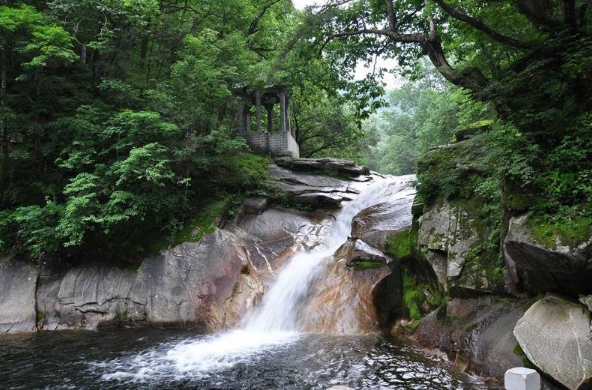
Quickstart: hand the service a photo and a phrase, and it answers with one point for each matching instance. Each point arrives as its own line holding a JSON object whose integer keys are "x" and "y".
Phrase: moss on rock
{"x": 546, "y": 230}
{"x": 400, "y": 245}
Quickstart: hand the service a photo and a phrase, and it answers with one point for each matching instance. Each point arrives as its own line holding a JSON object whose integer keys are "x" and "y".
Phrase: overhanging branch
{"x": 479, "y": 25}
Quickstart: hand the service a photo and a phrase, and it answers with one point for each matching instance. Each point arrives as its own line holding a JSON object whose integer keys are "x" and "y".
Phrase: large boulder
{"x": 191, "y": 285}
{"x": 542, "y": 260}
{"x": 477, "y": 334}
{"x": 341, "y": 298}
{"x": 555, "y": 335}
{"x": 359, "y": 254}
{"x": 333, "y": 166}
{"x": 313, "y": 190}
{"x": 452, "y": 237}
{"x": 18, "y": 281}
{"x": 375, "y": 224}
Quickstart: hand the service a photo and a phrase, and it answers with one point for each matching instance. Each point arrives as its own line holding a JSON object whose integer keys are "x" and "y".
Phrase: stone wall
{"x": 277, "y": 143}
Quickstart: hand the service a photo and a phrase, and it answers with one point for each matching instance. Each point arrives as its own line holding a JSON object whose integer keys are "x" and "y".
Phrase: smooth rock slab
{"x": 521, "y": 378}
{"x": 17, "y": 296}
{"x": 555, "y": 335}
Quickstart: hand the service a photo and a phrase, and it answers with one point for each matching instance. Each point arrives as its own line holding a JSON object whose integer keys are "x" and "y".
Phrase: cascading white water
{"x": 274, "y": 323}
{"x": 280, "y": 306}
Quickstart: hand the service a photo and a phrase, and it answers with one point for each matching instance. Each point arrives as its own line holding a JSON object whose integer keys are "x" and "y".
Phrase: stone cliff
{"x": 516, "y": 288}
{"x": 209, "y": 284}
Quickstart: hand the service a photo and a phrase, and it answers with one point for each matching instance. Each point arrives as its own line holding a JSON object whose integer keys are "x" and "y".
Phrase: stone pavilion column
{"x": 248, "y": 117}
{"x": 258, "y": 106}
{"x": 283, "y": 120}
{"x": 288, "y": 125}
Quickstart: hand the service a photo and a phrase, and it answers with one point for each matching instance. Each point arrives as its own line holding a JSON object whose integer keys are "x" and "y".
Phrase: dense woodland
{"x": 118, "y": 118}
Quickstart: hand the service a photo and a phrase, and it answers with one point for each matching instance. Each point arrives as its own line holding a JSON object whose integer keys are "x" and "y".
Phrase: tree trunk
{"x": 144, "y": 51}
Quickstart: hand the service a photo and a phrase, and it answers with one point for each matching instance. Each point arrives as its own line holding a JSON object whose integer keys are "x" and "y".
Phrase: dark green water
{"x": 157, "y": 359}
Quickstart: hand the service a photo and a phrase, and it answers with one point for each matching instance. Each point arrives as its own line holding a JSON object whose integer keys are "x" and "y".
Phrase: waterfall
{"x": 281, "y": 303}
{"x": 274, "y": 325}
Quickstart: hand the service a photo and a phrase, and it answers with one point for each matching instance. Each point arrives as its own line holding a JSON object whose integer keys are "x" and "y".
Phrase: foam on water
{"x": 196, "y": 358}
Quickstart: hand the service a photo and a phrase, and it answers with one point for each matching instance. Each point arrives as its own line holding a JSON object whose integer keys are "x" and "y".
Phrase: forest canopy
{"x": 118, "y": 118}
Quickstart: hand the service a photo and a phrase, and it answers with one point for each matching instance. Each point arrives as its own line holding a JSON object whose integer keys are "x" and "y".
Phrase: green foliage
{"x": 400, "y": 245}
{"x": 412, "y": 297}
{"x": 422, "y": 115}
{"x": 417, "y": 293}
{"x": 202, "y": 223}
{"x": 117, "y": 118}
{"x": 518, "y": 351}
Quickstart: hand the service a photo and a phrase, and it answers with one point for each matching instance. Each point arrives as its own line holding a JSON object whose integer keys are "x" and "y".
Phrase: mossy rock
{"x": 517, "y": 197}
{"x": 547, "y": 230}
{"x": 365, "y": 265}
{"x": 472, "y": 130}
{"x": 420, "y": 295}
{"x": 401, "y": 245}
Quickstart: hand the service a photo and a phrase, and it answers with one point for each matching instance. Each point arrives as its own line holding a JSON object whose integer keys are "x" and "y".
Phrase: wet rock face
{"x": 210, "y": 284}
{"x": 376, "y": 223}
{"x": 540, "y": 267}
{"x": 450, "y": 235}
{"x": 88, "y": 296}
{"x": 555, "y": 335}
{"x": 17, "y": 296}
{"x": 188, "y": 286}
{"x": 194, "y": 285}
{"x": 341, "y": 300}
{"x": 327, "y": 165}
{"x": 476, "y": 333}
{"x": 313, "y": 190}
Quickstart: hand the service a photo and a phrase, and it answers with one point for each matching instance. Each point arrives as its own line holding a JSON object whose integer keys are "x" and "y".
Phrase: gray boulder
{"x": 17, "y": 296}
{"x": 331, "y": 165}
{"x": 254, "y": 206}
{"x": 555, "y": 335}
{"x": 359, "y": 254}
{"x": 451, "y": 236}
{"x": 314, "y": 190}
{"x": 547, "y": 265}
{"x": 476, "y": 333}
{"x": 375, "y": 224}
{"x": 586, "y": 300}
{"x": 191, "y": 285}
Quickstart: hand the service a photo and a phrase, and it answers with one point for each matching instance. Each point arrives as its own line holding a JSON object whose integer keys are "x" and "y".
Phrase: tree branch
{"x": 253, "y": 27}
{"x": 471, "y": 78}
{"x": 479, "y": 25}
{"x": 537, "y": 13}
{"x": 322, "y": 147}
{"x": 392, "y": 21}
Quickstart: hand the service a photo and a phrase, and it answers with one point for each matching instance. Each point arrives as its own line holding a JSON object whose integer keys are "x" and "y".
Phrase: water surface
{"x": 157, "y": 359}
